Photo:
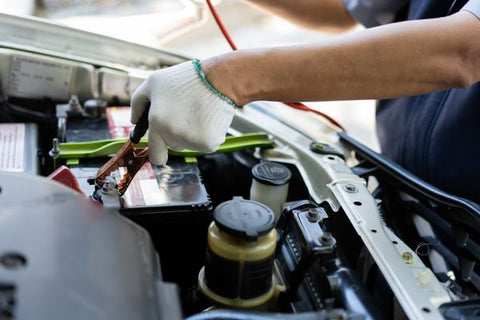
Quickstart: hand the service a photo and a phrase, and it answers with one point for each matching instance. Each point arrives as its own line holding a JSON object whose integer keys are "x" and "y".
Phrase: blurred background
{"x": 186, "y": 27}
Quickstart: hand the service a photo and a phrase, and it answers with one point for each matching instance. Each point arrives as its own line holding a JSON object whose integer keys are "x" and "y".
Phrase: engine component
{"x": 303, "y": 239}
{"x": 172, "y": 204}
{"x": 95, "y": 107}
{"x": 65, "y": 176}
{"x": 73, "y": 109}
{"x": 240, "y": 255}
{"x": 316, "y": 275}
{"x": 328, "y": 314}
{"x": 63, "y": 257}
{"x": 19, "y": 147}
{"x": 270, "y": 185}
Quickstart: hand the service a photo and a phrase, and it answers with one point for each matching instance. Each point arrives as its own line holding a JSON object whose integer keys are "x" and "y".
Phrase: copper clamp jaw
{"x": 128, "y": 156}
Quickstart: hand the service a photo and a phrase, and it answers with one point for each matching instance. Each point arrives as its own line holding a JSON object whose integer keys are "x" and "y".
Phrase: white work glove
{"x": 186, "y": 111}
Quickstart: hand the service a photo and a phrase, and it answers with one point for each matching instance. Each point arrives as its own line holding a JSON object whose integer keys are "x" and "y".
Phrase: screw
{"x": 313, "y": 214}
{"x": 407, "y": 257}
{"x": 55, "y": 148}
{"x": 451, "y": 275}
{"x": 74, "y": 104}
{"x": 318, "y": 146}
{"x": 326, "y": 238}
{"x": 350, "y": 188}
{"x": 109, "y": 185}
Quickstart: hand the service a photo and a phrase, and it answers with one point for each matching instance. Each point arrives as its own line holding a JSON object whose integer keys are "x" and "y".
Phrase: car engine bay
{"x": 290, "y": 218}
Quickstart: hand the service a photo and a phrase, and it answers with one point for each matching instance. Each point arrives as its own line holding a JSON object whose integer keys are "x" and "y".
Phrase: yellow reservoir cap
{"x": 238, "y": 249}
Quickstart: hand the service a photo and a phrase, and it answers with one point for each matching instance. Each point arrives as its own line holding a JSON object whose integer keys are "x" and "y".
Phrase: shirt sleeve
{"x": 372, "y": 13}
{"x": 473, "y": 6}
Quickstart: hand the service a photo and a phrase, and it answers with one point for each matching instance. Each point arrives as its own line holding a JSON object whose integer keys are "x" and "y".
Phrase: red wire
{"x": 220, "y": 25}
{"x": 295, "y": 105}
{"x": 301, "y": 106}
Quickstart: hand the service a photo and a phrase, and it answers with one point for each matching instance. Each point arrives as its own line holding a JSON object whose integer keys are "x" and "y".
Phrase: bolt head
{"x": 350, "y": 188}
{"x": 326, "y": 238}
{"x": 312, "y": 213}
{"x": 407, "y": 257}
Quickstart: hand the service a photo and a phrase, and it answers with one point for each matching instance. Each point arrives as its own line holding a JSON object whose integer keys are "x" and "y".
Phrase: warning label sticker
{"x": 32, "y": 77}
{"x": 12, "y": 146}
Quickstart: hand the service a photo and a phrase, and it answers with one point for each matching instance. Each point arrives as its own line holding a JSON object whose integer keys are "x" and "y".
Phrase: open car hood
{"x": 359, "y": 194}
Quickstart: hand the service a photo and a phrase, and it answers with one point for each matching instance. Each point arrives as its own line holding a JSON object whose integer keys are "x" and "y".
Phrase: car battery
{"x": 19, "y": 147}
{"x": 170, "y": 202}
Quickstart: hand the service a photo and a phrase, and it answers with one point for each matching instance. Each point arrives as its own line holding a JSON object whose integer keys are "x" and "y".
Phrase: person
{"x": 419, "y": 58}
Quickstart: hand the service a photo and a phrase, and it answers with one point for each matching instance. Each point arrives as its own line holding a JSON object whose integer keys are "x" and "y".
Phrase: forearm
{"x": 378, "y": 63}
{"x": 328, "y": 15}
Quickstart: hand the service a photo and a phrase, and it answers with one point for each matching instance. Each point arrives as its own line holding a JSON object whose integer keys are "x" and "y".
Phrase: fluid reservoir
{"x": 238, "y": 271}
{"x": 270, "y": 185}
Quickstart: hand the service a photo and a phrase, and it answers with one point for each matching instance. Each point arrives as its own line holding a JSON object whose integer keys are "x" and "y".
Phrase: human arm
{"x": 328, "y": 15}
{"x": 399, "y": 59}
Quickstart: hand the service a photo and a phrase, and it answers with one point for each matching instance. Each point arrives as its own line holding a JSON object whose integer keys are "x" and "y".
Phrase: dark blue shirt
{"x": 436, "y": 136}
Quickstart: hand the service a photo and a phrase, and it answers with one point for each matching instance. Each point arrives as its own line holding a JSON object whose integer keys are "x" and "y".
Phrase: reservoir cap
{"x": 244, "y": 218}
{"x": 271, "y": 173}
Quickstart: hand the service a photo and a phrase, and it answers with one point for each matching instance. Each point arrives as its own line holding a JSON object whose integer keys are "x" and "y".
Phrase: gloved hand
{"x": 186, "y": 111}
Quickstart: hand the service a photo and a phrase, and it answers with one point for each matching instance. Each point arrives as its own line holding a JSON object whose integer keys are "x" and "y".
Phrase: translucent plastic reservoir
{"x": 270, "y": 185}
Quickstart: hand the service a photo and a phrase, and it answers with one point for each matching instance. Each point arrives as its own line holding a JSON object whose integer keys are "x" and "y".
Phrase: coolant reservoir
{"x": 270, "y": 185}
{"x": 238, "y": 271}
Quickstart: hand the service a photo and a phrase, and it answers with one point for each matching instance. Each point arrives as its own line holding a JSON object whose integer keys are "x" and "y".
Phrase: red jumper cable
{"x": 295, "y": 105}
